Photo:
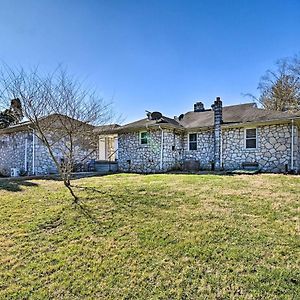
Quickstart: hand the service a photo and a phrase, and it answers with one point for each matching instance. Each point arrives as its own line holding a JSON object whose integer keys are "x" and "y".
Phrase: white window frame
{"x": 140, "y": 137}
{"x": 193, "y": 141}
{"x": 245, "y": 138}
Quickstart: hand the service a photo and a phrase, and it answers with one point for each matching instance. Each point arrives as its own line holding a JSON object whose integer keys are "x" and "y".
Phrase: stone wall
{"x": 134, "y": 157}
{"x": 12, "y": 154}
{"x": 273, "y": 150}
{"x": 205, "y": 149}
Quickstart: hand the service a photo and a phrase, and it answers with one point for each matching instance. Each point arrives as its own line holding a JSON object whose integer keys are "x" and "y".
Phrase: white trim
{"x": 101, "y": 148}
{"x": 245, "y": 138}
{"x": 161, "y": 148}
{"x": 193, "y": 141}
{"x": 140, "y": 137}
{"x": 25, "y": 158}
{"x": 221, "y": 149}
{"x": 33, "y": 152}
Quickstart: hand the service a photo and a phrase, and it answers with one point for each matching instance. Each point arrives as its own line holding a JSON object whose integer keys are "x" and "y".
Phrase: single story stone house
{"x": 22, "y": 150}
{"x": 229, "y": 138}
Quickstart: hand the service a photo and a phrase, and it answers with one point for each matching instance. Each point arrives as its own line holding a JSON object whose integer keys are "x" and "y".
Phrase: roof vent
{"x": 180, "y": 117}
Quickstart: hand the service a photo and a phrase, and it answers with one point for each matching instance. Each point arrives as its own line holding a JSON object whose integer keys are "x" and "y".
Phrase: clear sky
{"x": 153, "y": 54}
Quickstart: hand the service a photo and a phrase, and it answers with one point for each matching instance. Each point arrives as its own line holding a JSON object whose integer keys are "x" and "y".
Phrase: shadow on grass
{"x": 88, "y": 211}
{"x": 117, "y": 203}
{"x": 215, "y": 173}
{"x": 15, "y": 185}
{"x": 88, "y": 189}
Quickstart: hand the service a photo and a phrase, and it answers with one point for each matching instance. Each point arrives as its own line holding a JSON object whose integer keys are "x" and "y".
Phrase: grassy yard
{"x": 151, "y": 237}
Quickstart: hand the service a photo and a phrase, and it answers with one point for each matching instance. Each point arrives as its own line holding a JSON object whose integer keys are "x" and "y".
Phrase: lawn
{"x": 151, "y": 237}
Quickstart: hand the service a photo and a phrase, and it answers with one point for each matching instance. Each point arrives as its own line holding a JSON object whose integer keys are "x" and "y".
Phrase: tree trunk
{"x": 68, "y": 186}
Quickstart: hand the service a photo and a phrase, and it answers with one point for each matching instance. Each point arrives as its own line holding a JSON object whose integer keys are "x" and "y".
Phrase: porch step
{"x": 103, "y": 166}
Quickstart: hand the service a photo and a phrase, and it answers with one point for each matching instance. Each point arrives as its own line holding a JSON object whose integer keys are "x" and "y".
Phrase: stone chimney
{"x": 218, "y": 120}
{"x": 198, "y": 106}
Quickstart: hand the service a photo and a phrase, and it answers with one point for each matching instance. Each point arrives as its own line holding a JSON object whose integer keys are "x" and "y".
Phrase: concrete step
{"x": 106, "y": 166}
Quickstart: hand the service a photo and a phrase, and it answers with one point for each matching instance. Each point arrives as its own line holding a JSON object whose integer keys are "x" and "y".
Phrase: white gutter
{"x": 292, "y": 147}
{"x": 33, "y": 152}
{"x": 25, "y": 158}
{"x": 161, "y": 148}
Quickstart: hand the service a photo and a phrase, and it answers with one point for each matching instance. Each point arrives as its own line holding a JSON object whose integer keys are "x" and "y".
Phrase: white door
{"x": 102, "y": 148}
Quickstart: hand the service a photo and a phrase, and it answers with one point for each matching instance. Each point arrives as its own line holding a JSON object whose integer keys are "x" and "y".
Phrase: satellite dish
{"x": 156, "y": 115}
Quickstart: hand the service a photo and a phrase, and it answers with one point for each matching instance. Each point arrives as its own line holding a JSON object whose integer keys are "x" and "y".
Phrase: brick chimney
{"x": 198, "y": 106}
{"x": 218, "y": 120}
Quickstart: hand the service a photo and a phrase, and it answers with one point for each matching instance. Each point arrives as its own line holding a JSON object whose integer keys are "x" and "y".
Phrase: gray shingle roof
{"x": 234, "y": 114}
{"x": 51, "y": 120}
{"x": 106, "y": 128}
{"x": 242, "y": 113}
{"x": 146, "y": 123}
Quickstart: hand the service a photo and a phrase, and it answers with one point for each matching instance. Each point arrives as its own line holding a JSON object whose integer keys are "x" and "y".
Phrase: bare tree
{"x": 280, "y": 88}
{"x": 61, "y": 111}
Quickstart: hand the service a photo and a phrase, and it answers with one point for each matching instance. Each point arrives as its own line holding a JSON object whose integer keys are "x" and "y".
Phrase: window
{"x": 251, "y": 138}
{"x": 193, "y": 141}
{"x": 144, "y": 138}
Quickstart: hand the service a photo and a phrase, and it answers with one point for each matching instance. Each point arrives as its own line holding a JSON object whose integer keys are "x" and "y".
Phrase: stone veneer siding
{"x": 134, "y": 157}
{"x": 205, "y": 148}
{"x": 273, "y": 150}
{"x": 12, "y": 154}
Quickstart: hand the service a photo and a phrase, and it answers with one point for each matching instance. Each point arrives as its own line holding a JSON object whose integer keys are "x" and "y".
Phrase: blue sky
{"x": 153, "y": 54}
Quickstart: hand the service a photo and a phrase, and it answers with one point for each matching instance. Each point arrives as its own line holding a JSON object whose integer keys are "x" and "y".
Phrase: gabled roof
{"x": 50, "y": 121}
{"x": 106, "y": 128}
{"x": 234, "y": 114}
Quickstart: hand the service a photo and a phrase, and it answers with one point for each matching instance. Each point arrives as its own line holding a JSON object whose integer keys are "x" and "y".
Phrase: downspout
{"x": 98, "y": 148}
{"x": 33, "y": 152}
{"x": 292, "y": 147}
{"x": 161, "y": 148}
{"x": 25, "y": 158}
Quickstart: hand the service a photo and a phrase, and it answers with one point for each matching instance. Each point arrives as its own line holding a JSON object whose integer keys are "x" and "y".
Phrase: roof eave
{"x": 15, "y": 129}
{"x": 261, "y": 123}
{"x": 198, "y": 128}
{"x": 151, "y": 126}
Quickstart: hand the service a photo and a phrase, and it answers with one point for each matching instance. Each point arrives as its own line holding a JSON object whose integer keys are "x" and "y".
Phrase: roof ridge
{"x": 242, "y": 104}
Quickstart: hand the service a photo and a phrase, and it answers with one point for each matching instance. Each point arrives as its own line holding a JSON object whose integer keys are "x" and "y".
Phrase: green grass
{"x": 151, "y": 237}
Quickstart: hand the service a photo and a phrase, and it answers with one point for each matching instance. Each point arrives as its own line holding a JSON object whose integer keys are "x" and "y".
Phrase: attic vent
{"x": 156, "y": 115}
